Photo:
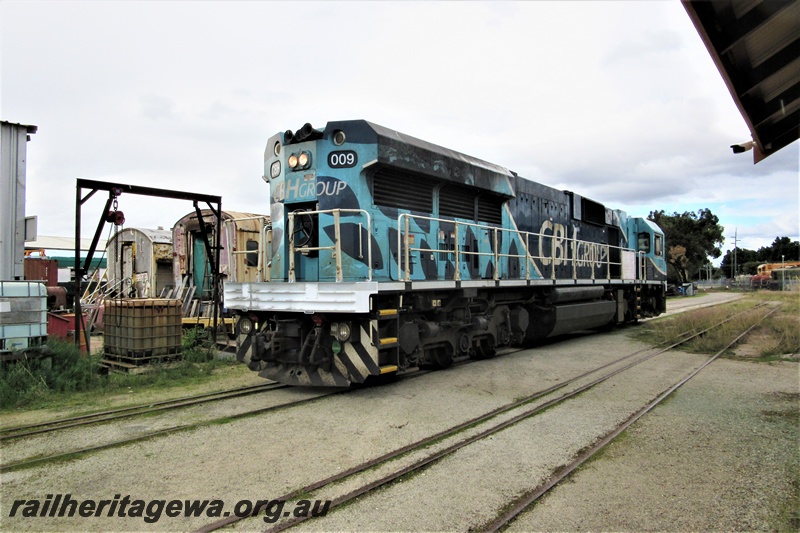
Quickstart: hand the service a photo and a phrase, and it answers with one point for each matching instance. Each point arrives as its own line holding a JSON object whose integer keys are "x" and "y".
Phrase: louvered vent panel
{"x": 490, "y": 209}
{"x": 403, "y": 190}
{"x": 457, "y": 202}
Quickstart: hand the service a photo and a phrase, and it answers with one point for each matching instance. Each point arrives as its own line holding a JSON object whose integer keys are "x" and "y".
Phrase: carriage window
{"x": 659, "y": 245}
{"x": 251, "y": 257}
{"x": 644, "y": 242}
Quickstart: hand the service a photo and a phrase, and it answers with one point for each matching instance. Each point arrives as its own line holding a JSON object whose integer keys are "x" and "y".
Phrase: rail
{"x": 583, "y": 253}
{"x": 336, "y": 247}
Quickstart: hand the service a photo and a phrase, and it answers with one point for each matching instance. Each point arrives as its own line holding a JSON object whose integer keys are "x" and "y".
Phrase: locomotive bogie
{"x": 388, "y": 252}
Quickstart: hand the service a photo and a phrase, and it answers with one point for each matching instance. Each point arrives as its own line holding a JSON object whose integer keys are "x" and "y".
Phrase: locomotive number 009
{"x": 342, "y": 159}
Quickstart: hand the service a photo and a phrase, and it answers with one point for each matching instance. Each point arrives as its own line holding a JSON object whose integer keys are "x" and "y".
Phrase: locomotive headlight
{"x": 293, "y": 161}
{"x": 339, "y": 137}
{"x": 341, "y": 331}
{"x": 277, "y": 148}
{"x": 275, "y": 169}
{"x": 245, "y": 325}
{"x": 304, "y": 159}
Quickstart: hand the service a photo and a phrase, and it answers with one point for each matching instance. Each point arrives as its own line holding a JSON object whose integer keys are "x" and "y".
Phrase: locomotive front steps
{"x": 386, "y": 324}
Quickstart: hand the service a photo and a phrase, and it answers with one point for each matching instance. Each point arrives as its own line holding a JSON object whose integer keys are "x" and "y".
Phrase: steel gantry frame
{"x": 114, "y": 191}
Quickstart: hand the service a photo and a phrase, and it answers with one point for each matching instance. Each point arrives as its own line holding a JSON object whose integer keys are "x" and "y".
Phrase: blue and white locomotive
{"x": 387, "y": 252}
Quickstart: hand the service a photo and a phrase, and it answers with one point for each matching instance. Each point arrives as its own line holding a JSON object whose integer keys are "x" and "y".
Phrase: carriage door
{"x": 127, "y": 258}
{"x": 201, "y": 270}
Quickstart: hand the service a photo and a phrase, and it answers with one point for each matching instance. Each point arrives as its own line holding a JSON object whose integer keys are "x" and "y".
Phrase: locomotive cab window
{"x": 644, "y": 242}
{"x": 659, "y": 247}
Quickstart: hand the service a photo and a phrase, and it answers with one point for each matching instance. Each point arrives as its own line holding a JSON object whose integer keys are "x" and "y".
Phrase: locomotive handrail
{"x": 337, "y": 242}
{"x": 265, "y": 263}
{"x": 642, "y": 266}
{"x": 404, "y": 258}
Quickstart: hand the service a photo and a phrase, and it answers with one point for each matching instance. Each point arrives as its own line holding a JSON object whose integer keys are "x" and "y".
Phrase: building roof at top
{"x": 29, "y": 128}
{"x": 47, "y": 242}
{"x": 756, "y": 47}
{"x": 159, "y": 235}
{"x": 226, "y": 215}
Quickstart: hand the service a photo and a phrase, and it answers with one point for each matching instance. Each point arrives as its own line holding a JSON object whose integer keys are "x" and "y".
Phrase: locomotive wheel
{"x": 463, "y": 344}
{"x": 443, "y": 356}
{"x": 439, "y": 357}
{"x": 485, "y": 350}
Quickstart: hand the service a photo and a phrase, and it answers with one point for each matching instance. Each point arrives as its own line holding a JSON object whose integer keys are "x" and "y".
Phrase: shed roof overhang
{"x": 756, "y": 47}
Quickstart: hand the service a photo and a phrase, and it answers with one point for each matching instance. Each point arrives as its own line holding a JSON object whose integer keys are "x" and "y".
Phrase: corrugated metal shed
{"x": 13, "y": 162}
{"x": 756, "y": 47}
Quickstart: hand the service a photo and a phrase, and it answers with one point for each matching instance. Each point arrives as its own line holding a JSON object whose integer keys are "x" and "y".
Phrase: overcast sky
{"x": 617, "y": 101}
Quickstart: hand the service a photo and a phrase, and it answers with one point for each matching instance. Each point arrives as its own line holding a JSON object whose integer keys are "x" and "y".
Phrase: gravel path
{"x": 708, "y": 299}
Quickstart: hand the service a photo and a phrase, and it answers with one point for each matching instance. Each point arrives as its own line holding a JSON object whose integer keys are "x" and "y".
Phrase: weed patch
{"x": 772, "y": 340}
{"x": 68, "y": 373}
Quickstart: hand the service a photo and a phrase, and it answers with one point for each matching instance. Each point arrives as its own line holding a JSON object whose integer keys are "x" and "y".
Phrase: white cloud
{"x": 618, "y": 101}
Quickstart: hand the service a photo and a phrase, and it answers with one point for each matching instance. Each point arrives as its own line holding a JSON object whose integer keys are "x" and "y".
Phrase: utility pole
{"x": 783, "y": 273}
{"x": 735, "y": 241}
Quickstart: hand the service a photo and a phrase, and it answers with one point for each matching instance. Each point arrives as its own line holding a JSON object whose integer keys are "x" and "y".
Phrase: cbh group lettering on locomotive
{"x": 387, "y": 252}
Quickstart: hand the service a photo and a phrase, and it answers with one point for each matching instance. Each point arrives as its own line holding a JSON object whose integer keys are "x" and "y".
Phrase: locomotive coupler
{"x": 313, "y": 352}
{"x": 282, "y": 344}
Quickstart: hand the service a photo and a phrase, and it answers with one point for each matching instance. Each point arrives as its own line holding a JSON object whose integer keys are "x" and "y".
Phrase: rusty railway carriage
{"x": 387, "y": 252}
{"x": 243, "y": 236}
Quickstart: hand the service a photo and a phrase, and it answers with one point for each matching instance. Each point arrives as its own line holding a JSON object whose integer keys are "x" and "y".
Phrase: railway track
{"x": 502, "y": 417}
{"x": 7, "y": 434}
{"x": 33, "y": 430}
{"x": 523, "y": 503}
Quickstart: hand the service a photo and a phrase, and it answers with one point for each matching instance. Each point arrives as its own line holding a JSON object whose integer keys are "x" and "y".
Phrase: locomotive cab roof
{"x": 414, "y": 155}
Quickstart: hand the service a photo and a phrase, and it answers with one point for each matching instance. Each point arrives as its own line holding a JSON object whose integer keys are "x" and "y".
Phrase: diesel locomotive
{"x": 386, "y": 252}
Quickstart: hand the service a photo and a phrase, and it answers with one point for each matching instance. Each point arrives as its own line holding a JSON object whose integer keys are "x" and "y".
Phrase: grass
{"x": 777, "y": 338}
{"x": 69, "y": 376}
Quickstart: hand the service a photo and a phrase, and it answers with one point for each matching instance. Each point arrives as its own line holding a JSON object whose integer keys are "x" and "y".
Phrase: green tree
{"x": 747, "y": 262}
{"x": 781, "y": 248}
{"x": 691, "y": 239}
